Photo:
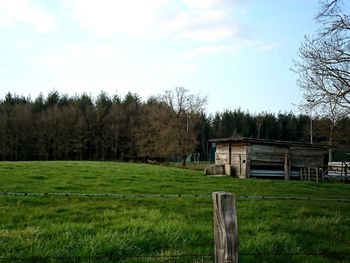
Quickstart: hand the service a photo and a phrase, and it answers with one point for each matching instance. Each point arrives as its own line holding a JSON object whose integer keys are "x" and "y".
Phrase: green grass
{"x": 112, "y": 229}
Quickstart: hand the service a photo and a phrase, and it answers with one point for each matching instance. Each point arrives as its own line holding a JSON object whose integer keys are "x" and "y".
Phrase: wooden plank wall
{"x": 238, "y": 157}
{"x": 239, "y": 160}
{"x": 275, "y": 155}
{"x": 307, "y": 157}
{"x": 266, "y": 154}
{"x": 221, "y": 154}
{"x": 288, "y": 157}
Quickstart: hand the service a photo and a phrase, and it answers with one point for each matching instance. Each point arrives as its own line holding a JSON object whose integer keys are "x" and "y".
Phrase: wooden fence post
{"x": 286, "y": 166}
{"x": 225, "y": 228}
{"x": 301, "y": 173}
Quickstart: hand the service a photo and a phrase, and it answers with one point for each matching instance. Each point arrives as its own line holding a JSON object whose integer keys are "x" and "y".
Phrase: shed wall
{"x": 266, "y": 154}
{"x": 239, "y": 159}
{"x": 221, "y": 154}
{"x": 304, "y": 157}
{"x": 279, "y": 158}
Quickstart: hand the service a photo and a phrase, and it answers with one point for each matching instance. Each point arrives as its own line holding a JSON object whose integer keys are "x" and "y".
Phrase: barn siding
{"x": 285, "y": 157}
{"x": 267, "y": 154}
{"x": 239, "y": 159}
{"x": 221, "y": 154}
{"x": 304, "y": 157}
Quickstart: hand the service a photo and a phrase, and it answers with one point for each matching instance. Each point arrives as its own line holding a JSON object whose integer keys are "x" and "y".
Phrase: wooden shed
{"x": 246, "y": 157}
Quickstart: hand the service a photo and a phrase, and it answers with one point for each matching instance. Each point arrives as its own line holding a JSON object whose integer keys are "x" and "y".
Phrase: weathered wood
{"x": 309, "y": 172}
{"x": 301, "y": 174}
{"x": 316, "y": 170}
{"x": 247, "y": 168}
{"x": 302, "y": 161}
{"x": 215, "y": 170}
{"x": 239, "y": 165}
{"x": 238, "y": 154}
{"x": 221, "y": 154}
{"x": 225, "y": 228}
{"x": 246, "y": 154}
{"x": 226, "y": 153}
{"x": 286, "y": 166}
{"x": 228, "y": 169}
{"x": 229, "y": 154}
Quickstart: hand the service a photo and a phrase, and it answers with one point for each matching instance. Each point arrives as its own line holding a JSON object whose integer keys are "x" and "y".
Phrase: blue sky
{"x": 238, "y": 52}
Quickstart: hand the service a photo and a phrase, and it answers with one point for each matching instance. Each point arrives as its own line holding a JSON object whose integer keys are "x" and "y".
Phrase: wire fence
{"x": 176, "y": 257}
{"x": 306, "y": 253}
{"x": 144, "y": 196}
{"x": 339, "y": 255}
{"x": 114, "y": 258}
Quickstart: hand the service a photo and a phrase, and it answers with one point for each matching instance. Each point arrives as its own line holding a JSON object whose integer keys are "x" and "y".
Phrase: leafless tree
{"x": 329, "y": 127}
{"x": 186, "y": 109}
{"x": 323, "y": 67}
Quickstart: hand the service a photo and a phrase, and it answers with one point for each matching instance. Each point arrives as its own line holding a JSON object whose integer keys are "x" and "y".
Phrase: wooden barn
{"x": 246, "y": 157}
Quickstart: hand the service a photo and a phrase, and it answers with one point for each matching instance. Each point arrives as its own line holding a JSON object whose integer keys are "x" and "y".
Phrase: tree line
{"x": 172, "y": 124}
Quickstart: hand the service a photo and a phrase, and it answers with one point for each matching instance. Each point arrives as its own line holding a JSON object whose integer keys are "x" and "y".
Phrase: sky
{"x": 236, "y": 52}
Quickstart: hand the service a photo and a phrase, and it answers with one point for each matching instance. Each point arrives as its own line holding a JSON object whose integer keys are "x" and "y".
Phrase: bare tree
{"x": 324, "y": 60}
{"x": 155, "y": 136}
{"x": 186, "y": 109}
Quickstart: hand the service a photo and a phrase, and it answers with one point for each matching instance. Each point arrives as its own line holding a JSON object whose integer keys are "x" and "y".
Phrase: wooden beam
{"x": 286, "y": 165}
{"x": 301, "y": 174}
{"x": 247, "y": 167}
{"x": 229, "y": 153}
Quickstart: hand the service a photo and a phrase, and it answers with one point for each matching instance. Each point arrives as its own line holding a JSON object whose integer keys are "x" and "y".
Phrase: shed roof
{"x": 250, "y": 141}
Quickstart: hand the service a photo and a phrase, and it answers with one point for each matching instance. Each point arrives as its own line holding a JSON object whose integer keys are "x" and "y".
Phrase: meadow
{"x": 162, "y": 214}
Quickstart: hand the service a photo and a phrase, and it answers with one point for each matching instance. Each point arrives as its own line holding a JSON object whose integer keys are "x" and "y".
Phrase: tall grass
{"x": 161, "y": 229}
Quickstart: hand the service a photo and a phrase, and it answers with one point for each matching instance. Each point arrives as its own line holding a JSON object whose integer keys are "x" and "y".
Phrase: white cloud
{"x": 110, "y": 17}
{"x": 23, "y": 44}
{"x": 202, "y": 25}
{"x": 268, "y": 46}
{"x": 3, "y": 69}
{"x": 204, "y": 4}
{"x": 201, "y": 51}
{"x": 231, "y": 49}
{"x": 194, "y": 19}
{"x": 204, "y": 20}
{"x": 208, "y": 35}
{"x": 28, "y": 12}
{"x": 75, "y": 57}
{"x": 177, "y": 68}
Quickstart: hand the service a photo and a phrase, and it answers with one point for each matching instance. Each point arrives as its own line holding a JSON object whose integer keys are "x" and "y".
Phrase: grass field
{"x": 162, "y": 228}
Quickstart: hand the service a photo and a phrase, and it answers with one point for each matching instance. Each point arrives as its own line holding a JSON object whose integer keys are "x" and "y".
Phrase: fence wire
{"x": 178, "y": 256}
{"x": 117, "y": 257}
{"x": 143, "y": 196}
{"x": 309, "y": 254}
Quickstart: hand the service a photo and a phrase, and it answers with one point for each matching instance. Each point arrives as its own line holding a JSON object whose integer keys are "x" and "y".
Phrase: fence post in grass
{"x": 301, "y": 174}
{"x": 225, "y": 228}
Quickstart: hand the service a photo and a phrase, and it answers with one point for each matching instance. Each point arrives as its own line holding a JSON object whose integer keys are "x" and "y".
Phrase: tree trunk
{"x": 330, "y": 143}
{"x": 184, "y": 157}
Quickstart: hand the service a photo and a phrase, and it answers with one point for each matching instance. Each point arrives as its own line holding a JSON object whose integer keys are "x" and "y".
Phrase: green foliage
{"x": 60, "y": 127}
{"x": 111, "y": 229}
